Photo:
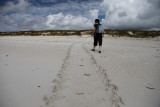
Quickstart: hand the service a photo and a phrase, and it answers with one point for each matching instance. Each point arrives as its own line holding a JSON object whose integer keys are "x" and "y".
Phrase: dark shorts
{"x": 98, "y": 39}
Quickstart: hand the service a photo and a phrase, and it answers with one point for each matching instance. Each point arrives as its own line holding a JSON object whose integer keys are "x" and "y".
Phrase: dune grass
{"x": 115, "y": 33}
{"x": 133, "y": 33}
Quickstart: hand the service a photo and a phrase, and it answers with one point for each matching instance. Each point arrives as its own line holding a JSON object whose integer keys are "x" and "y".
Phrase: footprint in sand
{"x": 54, "y": 81}
{"x": 149, "y": 86}
{"x": 87, "y": 74}
{"x": 59, "y": 75}
{"x": 80, "y": 93}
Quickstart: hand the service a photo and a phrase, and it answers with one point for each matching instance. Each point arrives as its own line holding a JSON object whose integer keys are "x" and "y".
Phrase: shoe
{"x": 93, "y": 49}
{"x": 99, "y": 51}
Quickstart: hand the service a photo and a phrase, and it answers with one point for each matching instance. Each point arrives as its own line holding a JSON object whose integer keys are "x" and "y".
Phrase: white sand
{"x": 63, "y": 72}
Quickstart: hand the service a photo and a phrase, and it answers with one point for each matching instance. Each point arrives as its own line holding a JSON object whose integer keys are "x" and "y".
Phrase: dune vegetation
{"x": 114, "y": 33}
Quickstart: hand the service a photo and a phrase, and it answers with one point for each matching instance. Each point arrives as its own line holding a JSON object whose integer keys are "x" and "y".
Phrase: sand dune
{"x": 63, "y": 72}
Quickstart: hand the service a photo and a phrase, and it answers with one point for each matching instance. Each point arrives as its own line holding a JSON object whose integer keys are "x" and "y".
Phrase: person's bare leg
{"x": 94, "y": 47}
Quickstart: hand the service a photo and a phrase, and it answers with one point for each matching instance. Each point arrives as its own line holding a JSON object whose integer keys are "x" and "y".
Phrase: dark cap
{"x": 97, "y": 20}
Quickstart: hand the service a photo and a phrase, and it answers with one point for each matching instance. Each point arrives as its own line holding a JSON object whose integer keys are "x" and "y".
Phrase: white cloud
{"x": 13, "y": 7}
{"x": 67, "y": 22}
{"x": 131, "y": 14}
{"x": 93, "y": 14}
{"x": 57, "y": 21}
{"x": 7, "y": 20}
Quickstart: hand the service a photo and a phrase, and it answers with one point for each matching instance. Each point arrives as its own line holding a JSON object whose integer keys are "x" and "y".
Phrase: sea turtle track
{"x": 49, "y": 99}
{"x": 75, "y": 78}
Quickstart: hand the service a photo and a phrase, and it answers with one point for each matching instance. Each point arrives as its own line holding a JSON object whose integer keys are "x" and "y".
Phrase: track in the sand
{"x": 82, "y": 82}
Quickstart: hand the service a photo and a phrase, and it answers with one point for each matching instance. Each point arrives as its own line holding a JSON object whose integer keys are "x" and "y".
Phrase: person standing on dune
{"x": 98, "y": 32}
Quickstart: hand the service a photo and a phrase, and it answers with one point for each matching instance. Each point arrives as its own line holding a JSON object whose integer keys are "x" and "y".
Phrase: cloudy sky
{"x": 20, "y": 15}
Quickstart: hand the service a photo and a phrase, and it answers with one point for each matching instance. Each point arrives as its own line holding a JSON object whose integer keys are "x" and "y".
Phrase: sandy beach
{"x": 52, "y": 71}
